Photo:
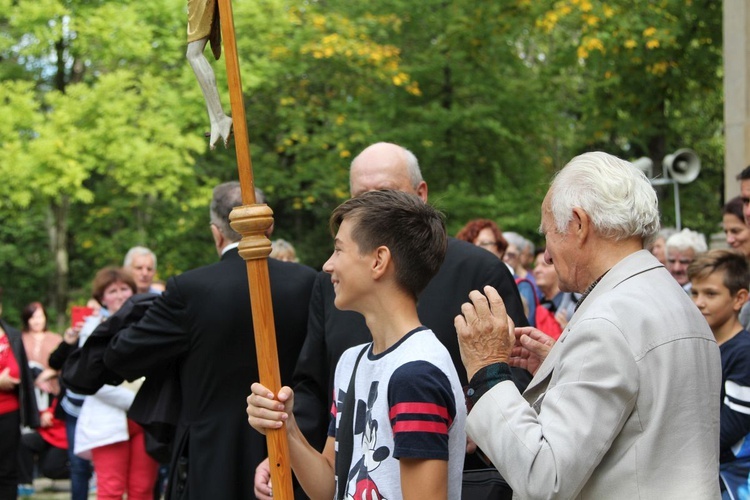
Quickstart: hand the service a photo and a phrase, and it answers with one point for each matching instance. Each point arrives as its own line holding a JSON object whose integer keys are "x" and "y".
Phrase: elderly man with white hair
{"x": 681, "y": 250}
{"x": 140, "y": 262}
{"x": 626, "y": 403}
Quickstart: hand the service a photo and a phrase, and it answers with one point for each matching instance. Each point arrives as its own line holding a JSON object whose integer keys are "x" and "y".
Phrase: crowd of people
{"x": 105, "y": 452}
{"x": 611, "y": 362}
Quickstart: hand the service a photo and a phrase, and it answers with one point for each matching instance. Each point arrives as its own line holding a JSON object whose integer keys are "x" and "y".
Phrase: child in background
{"x": 406, "y": 420}
{"x": 720, "y": 281}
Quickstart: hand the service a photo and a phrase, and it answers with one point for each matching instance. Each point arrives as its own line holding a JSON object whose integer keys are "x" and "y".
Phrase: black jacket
{"x": 203, "y": 324}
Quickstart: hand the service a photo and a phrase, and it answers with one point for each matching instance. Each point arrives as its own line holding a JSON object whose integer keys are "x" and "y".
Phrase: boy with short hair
{"x": 720, "y": 281}
{"x": 408, "y": 412}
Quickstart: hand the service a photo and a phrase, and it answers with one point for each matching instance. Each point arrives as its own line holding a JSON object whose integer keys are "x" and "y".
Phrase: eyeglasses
{"x": 487, "y": 243}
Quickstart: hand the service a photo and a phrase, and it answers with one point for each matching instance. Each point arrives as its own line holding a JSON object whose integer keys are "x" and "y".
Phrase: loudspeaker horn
{"x": 645, "y": 165}
{"x": 683, "y": 165}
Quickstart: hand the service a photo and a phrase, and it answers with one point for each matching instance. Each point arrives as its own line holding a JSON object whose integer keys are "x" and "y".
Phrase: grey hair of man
{"x": 410, "y": 161}
{"x": 412, "y": 166}
{"x": 687, "y": 239}
{"x": 135, "y": 252}
{"x": 521, "y": 243}
{"x": 666, "y": 232}
{"x": 615, "y": 194}
{"x": 227, "y": 196}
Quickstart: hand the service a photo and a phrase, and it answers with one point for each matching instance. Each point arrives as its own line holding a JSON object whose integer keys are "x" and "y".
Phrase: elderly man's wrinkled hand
{"x": 532, "y": 347}
{"x": 485, "y": 332}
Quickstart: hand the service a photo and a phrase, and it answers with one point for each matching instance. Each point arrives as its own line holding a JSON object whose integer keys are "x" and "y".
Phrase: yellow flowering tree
{"x": 640, "y": 78}
{"x": 315, "y": 83}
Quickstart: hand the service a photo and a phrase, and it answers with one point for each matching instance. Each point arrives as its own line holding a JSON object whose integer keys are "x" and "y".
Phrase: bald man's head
{"x": 386, "y": 166}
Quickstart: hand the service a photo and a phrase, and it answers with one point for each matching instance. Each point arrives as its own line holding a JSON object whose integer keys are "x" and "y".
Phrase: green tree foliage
{"x": 314, "y": 110}
{"x": 639, "y": 79}
{"x": 94, "y": 118}
{"x": 102, "y": 147}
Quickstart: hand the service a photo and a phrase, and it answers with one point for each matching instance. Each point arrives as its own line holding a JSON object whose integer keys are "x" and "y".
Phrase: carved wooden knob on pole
{"x": 252, "y": 222}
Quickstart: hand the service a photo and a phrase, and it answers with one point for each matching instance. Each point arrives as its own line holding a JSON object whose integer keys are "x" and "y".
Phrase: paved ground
{"x": 47, "y": 489}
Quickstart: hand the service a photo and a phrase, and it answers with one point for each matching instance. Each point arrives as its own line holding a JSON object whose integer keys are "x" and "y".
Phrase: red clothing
{"x": 8, "y": 399}
{"x": 125, "y": 467}
{"x": 54, "y": 434}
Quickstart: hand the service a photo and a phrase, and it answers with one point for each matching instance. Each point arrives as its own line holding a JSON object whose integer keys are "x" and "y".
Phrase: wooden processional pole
{"x": 251, "y": 221}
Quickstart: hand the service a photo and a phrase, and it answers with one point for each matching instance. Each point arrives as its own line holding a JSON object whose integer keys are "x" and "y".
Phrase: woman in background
{"x": 738, "y": 238}
{"x": 484, "y": 233}
{"x": 38, "y": 341}
{"x": 115, "y": 444}
{"x": 561, "y": 304}
{"x": 736, "y": 231}
{"x": 49, "y": 442}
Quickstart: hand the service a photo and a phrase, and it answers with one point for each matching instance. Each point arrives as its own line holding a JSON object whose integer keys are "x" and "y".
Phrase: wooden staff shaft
{"x": 251, "y": 221}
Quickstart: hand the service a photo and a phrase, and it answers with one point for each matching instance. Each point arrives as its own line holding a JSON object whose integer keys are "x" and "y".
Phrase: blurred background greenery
{"x": 102, "y": 141}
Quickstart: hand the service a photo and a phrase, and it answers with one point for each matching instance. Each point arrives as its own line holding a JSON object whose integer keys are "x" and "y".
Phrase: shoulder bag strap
{"x": 345, "y": 435}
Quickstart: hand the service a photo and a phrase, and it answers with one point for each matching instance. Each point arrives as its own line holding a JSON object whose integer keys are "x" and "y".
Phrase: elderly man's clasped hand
{"x": 486, "y": 335}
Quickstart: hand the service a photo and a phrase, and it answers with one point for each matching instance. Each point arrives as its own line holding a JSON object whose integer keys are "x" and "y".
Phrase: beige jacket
{"x": 625, "y": 406}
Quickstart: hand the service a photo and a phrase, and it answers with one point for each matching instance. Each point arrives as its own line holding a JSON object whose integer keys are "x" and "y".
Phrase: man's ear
{"x": 381, "y": 261}
{"x": 581, "y": 225}
{"x": 218, "y": 238}
{"x": 422, "y": 191}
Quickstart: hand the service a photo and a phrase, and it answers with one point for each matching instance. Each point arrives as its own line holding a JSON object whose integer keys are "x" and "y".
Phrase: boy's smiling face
{"x": 349, "y": 269}
{"x": 714, "y": 301}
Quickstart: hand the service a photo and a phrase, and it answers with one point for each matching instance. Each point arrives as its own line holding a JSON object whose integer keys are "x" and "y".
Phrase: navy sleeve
{"x": 421, "y": 410}
{"x": 735, "y": 404}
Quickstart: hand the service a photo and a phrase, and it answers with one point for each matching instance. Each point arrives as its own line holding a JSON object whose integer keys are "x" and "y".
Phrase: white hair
{"x": 615, "y": 194}
{"x": 518, "y": 241}
{"x": 137, "y": 251}
{"x": 687, "y": 239}
{"x": 412, "y": 166}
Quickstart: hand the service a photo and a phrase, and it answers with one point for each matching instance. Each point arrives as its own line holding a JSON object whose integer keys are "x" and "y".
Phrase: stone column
{"x": 736, "y": 92}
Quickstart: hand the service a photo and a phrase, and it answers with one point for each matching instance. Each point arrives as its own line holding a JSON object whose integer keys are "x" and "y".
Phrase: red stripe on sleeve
{"x": 420, "y": 426}
{"x": 420, "y": 408}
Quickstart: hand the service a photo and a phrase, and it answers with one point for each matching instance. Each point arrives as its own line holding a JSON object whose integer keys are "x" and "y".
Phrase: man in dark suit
{"x": 330, "y": 332}
{"x": 203, "y": 324}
